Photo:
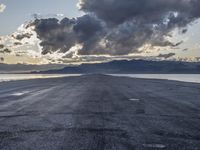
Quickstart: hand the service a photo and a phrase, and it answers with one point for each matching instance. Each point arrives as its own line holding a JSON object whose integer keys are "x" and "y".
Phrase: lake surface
{"x": 177, "y": 77}
{"x": 12, "y": 77}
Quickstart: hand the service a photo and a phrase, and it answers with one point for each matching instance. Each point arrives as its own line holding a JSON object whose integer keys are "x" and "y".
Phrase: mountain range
{"x": 131, "y": 67}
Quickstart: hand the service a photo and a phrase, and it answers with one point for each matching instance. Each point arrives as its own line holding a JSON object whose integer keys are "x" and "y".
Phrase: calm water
{"x": 11, "y": 77}
{"x": 178, "y": 77}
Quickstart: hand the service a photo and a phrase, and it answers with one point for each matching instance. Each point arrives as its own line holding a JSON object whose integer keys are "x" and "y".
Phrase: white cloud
{"x": 2, "y": 7}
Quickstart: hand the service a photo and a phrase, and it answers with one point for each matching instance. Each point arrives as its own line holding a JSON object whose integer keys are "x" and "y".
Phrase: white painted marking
{"x": 20, "y": 93}
{"x": 133, "y": 99}
{"x": 161, "y": 146}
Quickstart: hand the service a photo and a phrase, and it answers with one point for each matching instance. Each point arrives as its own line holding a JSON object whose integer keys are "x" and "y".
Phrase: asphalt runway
{"x": 99, "y": 112}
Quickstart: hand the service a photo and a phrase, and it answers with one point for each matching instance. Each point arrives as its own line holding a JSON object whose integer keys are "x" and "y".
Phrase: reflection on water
{"x": 177, "y": 77}
{"x": 11, "y": 77}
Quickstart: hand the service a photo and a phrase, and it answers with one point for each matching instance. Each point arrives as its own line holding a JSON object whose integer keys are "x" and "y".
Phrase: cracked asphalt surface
{"x": 99, "y": 112}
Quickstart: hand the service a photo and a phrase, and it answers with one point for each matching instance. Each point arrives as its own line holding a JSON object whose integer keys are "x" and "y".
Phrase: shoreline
{"x": 188, "y": 78}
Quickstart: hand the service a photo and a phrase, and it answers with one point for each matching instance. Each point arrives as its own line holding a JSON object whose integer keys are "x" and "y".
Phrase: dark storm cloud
{"x": 22, "y": 36}
{"x": 119, "y": 11}
{"x": 17, "y": 43}
{"x": 164, "y": 43}
{"x": 166, "y": 55}
{"x": 87, "y": 27}
{"x": 62, "y": 35}
{"x": 184, "y": 31}
{"x": 118, "y": 27}
{"x": 89, "y": 31}
{"x": 142, "y": 21}
{"x": 55, "y": 34}
{"x": 1, "y": 46}
{"x": 6, "y": 50}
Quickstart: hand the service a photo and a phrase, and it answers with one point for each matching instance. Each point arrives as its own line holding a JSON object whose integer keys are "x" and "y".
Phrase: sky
{"x": 20, "y": 11}
{"x": 94, "y": 31}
